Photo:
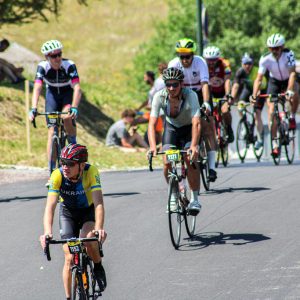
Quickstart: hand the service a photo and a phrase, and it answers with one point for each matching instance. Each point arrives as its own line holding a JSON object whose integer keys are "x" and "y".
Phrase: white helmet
{"x": 211, "y": 52}
{"x": 51, "y": 46}
{"x": 275, "y": 40}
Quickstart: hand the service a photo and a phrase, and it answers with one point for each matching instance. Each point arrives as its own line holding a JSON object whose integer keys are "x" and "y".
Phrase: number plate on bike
{"x": 53, "y": 119}
{"x": 74, "y": 247}
{"x": 173, "y": 155}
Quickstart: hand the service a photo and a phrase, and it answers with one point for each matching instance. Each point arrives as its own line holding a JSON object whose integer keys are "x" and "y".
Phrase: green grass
{"x": 102, "y": 39}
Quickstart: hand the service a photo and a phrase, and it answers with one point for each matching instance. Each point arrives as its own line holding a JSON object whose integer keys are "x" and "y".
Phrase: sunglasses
{"x": 182, "y": 57}
{"x": 174, "y": 84}
{"x": 67, "y": 163}
{"x": 274, "y": 48}
{"x": 56, "y": 55}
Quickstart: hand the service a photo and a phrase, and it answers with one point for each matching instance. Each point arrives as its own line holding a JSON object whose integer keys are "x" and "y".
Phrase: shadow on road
{"x": 117, "y": 195}
{"x": 205, "y": 239}
{"x": 22, "y": 198}
{"x": 240, "y": 189}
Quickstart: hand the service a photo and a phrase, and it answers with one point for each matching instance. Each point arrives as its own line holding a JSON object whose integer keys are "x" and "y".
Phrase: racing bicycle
{"x": 84, "y": 285}
{"x": 59, "y": 137}
{"x": 177, "y": 213}
{"x": 282, "y": 136}
{"x": 221, "y": 132}
{"x": 246, "y": 132}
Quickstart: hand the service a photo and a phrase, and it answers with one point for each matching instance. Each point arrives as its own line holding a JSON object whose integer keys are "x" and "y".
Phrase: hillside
{"x": 102, "y": 39}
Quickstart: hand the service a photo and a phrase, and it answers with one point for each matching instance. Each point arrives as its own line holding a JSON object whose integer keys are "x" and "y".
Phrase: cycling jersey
{"x": 279, "y": 69}
{"x": 195, "y": 74}
{"x": 75, "y": 194}
{"x": 58, "y": 81}
{"x": 189, "y": 107}
{"x": 217, "y": 73}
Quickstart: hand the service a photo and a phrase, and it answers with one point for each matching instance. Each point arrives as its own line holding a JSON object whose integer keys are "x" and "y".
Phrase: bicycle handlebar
{"x": 58, "y": 113}
{"x": 272, "y": 96}
{"x": 63, "y": 241}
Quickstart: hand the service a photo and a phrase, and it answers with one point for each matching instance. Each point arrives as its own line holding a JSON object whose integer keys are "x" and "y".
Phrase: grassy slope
{"x": 102, "y": 39}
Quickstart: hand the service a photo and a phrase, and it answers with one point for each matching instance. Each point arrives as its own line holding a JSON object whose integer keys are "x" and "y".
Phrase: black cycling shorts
{"x": 56, "y": 102}
{"x": 72, "y": 220}
{"x": 246, "y": 93}
{"x": 276, "y": 86}
{"x": 176, "y": 136}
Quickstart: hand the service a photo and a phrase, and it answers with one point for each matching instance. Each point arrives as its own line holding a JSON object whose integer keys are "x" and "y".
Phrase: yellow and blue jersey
{"x": 75, "y": 194}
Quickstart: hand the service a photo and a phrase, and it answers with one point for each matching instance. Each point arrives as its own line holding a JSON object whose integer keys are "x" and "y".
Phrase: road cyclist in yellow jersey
{"x": 77, "y": 186}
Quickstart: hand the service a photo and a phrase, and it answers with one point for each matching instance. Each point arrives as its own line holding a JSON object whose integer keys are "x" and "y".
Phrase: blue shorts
{"x": 56, "y": 102}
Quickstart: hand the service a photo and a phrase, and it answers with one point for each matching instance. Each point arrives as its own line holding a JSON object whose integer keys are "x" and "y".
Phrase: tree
{"x": 25, "y": 11}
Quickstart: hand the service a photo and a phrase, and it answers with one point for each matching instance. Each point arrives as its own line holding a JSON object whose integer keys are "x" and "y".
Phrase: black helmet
{"x": 173, "y": 74}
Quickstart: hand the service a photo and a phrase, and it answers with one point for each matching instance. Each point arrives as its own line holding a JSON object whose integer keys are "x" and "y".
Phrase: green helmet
{"x": 51, "y": 46}
{"x": 186, "y": 45}
{"x": 275, "y": 40}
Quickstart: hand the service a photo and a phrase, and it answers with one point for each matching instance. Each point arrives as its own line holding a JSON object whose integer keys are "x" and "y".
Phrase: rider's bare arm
{"x": 76, "y": 95}
{"x": 234, "y": 90}
{"x": 292, "y": 79}
{"x": 99, "y": 209}
{"x": 227, "y": 84}
{"x": 205, "y": 91}
{"x": 257, "y": 84}
{"x": 49, "y": 213}
{"x": 37, "y": 89}
{"x": 196, "y": 130}
{"x": 151, "y": 133}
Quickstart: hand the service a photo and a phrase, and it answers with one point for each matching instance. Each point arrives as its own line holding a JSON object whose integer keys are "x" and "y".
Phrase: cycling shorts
{"x": 72, "y": 220}
{"x": 56, "y": 102}
{"x": 246, "y": 93}
{"x": 276, "y": 86}
{"x": 180, "y": 137}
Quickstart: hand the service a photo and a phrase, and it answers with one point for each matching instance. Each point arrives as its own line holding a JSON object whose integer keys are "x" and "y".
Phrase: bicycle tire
{"x": 175, "y": 217}
{"x": 277, "y": 138}
{"x": 218, "y": 158}
{"x": 224, "y": 145}
{"x": 190, "y": 221}
{"x": 77, "y": 289}
{"x": 203, "y": 165}
{"x": 54, "y": 153}
{"x": 290, "y": 146}
{"x": 241, "y": 139}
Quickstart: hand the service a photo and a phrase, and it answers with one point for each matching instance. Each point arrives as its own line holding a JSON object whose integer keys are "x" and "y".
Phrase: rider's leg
{"x": 208, "y": 131}
{"x": 66, "y": 274}
{"x": 69, "y": 126}
{"x": 226, "y": 115}
{"x": 259, "y": 124}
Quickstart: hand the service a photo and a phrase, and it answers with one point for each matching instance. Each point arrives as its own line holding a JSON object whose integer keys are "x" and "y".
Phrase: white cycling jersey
{"x": 195, "y": 74}
{"x": 278, "y": 69}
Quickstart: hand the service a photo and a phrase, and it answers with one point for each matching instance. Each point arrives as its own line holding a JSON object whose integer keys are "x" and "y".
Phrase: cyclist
{"x": 219, "y": 82}
{"x": 63, "y": 91}
{"x": 242, "y": 89}
{"x": 196, "y": 77}
{"x": 77, "y": 186}
{"x": 182, "y": 127}
{"x": 280, "y": 62}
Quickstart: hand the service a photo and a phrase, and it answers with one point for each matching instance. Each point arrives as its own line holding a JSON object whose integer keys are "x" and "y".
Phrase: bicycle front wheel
{"x": 77, "y": 288}
{"x": 241, "y": 140}
{"x": 175, "y": 214}
{"x": 189, "y": 220}
{"x": 203, "y": 165}
{"x": 54, "y": 154}
{"x": 276, "y": 141}
{"x": 289, "y": 146}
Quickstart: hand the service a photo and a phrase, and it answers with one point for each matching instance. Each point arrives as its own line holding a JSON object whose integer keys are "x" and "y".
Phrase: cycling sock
{"x": 211, "y": 159}
{"x": 72, "y": 139}
{"x": 194, "y": 196}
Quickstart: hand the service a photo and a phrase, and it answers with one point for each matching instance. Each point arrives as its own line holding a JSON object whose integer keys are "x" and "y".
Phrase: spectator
{"x": 118, "y": 135}
{"x": 7, "y": 69}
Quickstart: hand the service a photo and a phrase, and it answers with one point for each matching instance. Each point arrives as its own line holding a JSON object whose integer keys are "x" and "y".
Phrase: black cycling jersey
{"x": 58, "y": 81}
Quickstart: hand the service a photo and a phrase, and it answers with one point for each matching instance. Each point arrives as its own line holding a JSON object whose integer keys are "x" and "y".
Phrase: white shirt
{"x": 196, "y": 73}
{"x": 279, "y": 69}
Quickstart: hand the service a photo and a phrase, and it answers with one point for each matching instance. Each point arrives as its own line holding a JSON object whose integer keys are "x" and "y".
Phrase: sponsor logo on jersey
{"x": 72, "y": 193}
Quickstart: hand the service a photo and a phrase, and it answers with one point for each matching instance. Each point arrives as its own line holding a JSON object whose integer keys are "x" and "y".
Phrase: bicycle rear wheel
{"x": 175, "y": 214}
{"x": 277, "y": 140}
{"x": 289, "y": 146}
{"x": 224, "y": 145}
{"x": 241, "y": 140}
{"x": 190, "y": 221}
{"x": 203, "y": 165}
{"x": 54, "y": 153}
{"x": 77, "y": 288}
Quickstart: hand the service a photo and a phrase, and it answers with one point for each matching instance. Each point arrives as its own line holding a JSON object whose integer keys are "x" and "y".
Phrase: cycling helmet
{"x": 51, "y": 46}
{"x": 247, "y": 59}
{"x": 74, "y": 152}
{"x": 211, "y": 52}
{"x": 186, "y": 45}
{"x": 275, "y": 40}
{"x": 172, "y": 74}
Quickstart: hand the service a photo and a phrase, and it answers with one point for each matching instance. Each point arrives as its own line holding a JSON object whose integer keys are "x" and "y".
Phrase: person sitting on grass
{"x": 118, "y": 135}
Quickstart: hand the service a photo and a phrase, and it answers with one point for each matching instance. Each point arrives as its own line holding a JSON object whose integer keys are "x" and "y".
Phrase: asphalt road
{"x": 246, "y": 247}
